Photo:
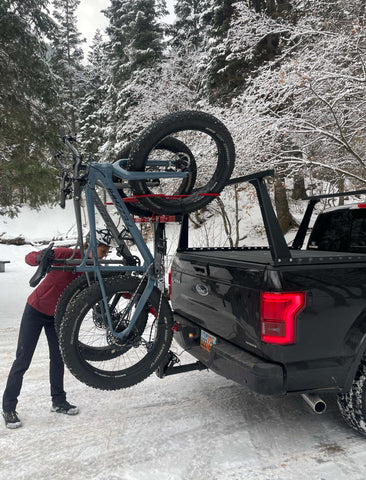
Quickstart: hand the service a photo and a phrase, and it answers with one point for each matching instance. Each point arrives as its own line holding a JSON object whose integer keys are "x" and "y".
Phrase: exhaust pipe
{"x": 316, "y": 403}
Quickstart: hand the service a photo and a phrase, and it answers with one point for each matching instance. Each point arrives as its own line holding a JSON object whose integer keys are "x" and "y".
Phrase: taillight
{"x": 278, "y": 316}
{"x": 361, "y": 205}
{"x": 170, "y": 283}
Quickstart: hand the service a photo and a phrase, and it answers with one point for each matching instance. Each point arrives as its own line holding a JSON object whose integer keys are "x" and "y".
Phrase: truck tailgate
{"x": 220, "y": 298}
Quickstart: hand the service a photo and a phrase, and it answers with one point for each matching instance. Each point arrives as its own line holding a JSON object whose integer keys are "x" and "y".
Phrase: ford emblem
{"x": 202, "y": 289}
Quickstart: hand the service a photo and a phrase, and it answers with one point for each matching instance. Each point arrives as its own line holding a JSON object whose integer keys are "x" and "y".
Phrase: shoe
{"x": 65, "y": 408}
{"x": 11, "y": 419}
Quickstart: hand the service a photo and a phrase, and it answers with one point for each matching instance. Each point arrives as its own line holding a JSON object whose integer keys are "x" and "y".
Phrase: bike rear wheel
{"x": 212, "y": 147}
{"x": 144, "y": 349}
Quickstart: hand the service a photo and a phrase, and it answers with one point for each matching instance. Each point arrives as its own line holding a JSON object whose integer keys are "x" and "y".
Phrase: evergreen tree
{"x": 222, "y": 12}
{"x": 92, "y": 105}
{"x": 136, "y": 37}
{"x": 216, "y": 20}
{"x": 27, "y": 99}
{"x": 187, "y": 32}
{"x": 66, "y": 61}
{"x": 135, "y": 49}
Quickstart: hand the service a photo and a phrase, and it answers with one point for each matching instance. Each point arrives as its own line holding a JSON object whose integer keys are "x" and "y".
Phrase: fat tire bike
{"x": 114, "y": 322}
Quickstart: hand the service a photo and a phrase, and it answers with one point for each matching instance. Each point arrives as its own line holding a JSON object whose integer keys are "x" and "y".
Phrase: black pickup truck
{"x": 281, "y": 319}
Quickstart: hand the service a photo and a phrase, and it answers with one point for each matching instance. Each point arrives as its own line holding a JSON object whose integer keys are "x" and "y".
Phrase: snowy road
{"x": 193, "y": 426}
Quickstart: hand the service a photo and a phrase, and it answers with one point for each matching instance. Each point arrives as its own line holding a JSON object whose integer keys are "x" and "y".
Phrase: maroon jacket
{"x": 45, "y": 297}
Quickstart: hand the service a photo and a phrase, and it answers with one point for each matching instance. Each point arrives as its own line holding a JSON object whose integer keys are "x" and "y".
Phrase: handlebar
{"x": 43, "y": 268}
{"x": 67, "y": 180}
{"x": 77, "y": 158}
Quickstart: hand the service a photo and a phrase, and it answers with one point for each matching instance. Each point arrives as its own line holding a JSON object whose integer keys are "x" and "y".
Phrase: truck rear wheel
{"x": 352, "y": 404}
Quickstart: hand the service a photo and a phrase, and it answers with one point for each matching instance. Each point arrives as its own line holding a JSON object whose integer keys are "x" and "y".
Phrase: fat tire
{"x": 173, "y": 145}
{"x": 68, "y": 295}
{"x": 104, "y": 379}
{"x": 352, "y": 404}
{"x": 178, "y": 122}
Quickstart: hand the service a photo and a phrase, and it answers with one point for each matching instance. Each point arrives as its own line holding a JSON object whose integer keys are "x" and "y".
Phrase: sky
{"x": 90, "y": 17}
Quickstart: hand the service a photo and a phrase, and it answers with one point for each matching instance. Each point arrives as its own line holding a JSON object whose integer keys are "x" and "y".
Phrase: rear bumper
{"x": 232, "y": 362}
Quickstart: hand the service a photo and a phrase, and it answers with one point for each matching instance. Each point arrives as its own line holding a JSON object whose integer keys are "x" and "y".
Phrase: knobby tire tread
{"x": 177, "y": 122}
{"x": 352, "y": 404}
{"x": 130, "y": 376}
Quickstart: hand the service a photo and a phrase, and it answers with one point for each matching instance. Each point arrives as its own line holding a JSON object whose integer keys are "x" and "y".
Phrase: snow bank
{"x": 40, "y": 225}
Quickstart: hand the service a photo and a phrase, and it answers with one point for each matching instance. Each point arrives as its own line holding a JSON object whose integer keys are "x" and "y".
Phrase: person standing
{"x": 39, "y": 314}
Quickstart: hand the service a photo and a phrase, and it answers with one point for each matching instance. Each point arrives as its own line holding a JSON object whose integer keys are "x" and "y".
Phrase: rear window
{"x": 358, "y": 231}
{"x": 340, "y": 231}
{"x": 331, "y": 231}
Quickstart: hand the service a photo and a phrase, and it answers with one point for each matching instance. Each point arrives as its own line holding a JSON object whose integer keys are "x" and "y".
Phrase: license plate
{"x": 207, "y": 340}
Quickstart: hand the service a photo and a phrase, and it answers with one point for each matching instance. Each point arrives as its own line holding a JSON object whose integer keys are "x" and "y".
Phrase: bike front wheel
{"x": 140, "y": 354}
{"x": 91, "y": 351}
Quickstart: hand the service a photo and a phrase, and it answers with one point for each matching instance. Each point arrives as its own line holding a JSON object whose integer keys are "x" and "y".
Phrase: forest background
{"x": 287, "y": 77}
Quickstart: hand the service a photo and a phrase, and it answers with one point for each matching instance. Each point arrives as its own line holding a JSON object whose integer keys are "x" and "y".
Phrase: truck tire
{"x": 144, "y": 350}
{"x": 89, "y": 352}
{"x": 188, "y": 163}
{"x": 352, "y": 404}
{"x": 217, "y": 159}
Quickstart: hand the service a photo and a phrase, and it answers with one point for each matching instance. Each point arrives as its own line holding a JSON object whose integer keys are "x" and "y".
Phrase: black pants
{"x": 29, "y": 332}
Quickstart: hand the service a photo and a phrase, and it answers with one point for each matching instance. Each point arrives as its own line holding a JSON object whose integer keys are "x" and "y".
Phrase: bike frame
{"x": 101, "y": 174}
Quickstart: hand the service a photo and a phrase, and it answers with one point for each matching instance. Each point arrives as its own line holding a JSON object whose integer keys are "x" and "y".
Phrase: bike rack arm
{"x": 277, "y": 243}
{"x": 120, "y": 172}
{"x": 303, "y": 228}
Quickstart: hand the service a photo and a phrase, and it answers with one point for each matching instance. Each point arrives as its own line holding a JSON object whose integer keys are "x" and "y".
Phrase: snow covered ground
{"x": 193, "y": 426}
